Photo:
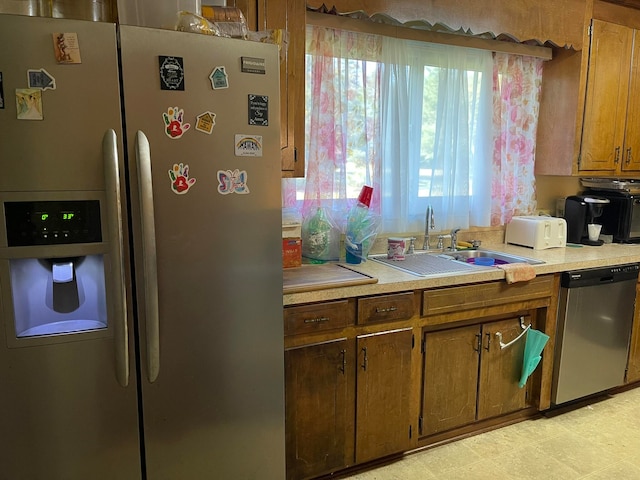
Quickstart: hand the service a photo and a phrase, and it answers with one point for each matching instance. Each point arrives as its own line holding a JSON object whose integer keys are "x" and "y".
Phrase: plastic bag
{"x": 362, "y": 228}
{"x": 320, "y": 237}
{"x": 190, "y": 22}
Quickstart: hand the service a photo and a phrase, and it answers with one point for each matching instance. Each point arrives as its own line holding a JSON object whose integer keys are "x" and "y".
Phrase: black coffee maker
{"x": 580, "y": 211}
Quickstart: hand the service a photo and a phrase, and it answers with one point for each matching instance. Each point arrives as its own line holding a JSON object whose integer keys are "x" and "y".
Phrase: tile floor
{"x": 597, "y": 441}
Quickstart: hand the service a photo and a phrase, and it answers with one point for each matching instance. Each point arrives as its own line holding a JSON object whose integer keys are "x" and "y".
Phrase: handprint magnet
{"x": 174, "y": 123}
{"x": 180, "y": 181}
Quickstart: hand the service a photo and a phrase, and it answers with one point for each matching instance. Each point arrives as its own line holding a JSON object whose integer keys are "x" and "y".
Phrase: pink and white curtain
{"x": 517, "y": 82}
{"x": 364, "y": 97}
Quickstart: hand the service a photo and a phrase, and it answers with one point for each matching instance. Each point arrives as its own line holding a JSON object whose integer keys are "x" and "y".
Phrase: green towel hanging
{"x": 535, "y": 342}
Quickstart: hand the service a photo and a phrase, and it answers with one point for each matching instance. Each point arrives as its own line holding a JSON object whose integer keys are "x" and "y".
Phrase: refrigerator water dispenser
{"x": 44, "y": 306}
{"x": 51, "y": 293}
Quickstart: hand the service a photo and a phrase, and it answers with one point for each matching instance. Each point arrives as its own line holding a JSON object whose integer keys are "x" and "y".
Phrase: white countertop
{"x": 393, "y": 280}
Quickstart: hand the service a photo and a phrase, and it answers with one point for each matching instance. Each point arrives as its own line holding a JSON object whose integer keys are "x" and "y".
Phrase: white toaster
{"x": 537, "y": 232}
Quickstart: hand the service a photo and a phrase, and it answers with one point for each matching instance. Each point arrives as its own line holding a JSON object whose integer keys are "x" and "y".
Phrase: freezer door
{"x": 207, "y": 247}
{"x": 65, "y": 413}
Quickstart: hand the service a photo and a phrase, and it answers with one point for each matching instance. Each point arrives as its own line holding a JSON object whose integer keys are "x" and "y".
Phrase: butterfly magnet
{"x": 232, "y": 181}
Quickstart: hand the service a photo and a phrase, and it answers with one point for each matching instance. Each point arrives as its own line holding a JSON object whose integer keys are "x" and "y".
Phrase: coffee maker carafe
{"x": 580, "y": 211}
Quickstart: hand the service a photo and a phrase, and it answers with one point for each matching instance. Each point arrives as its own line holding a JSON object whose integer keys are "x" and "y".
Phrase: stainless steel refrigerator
{"x": 140, "y": 254}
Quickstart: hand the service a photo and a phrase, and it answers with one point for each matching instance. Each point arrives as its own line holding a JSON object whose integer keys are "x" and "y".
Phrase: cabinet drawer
{"x": 455, "y": 299}
{"x": 318, "y": 317}
{"x": 397, "y": 306}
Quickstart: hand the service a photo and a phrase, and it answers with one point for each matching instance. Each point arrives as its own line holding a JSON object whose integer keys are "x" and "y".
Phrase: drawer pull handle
{"x": 478, "y": 346}
{"x": 365, "y": 359}
{"x": 343, "y": 367}
{"x": 316, "y": 320}
{"x": 386, "y": 310}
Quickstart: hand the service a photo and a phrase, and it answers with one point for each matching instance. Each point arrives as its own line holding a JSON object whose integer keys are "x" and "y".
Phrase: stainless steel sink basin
{"x": 426, "y": 264}
{"x": 500, "y": 257}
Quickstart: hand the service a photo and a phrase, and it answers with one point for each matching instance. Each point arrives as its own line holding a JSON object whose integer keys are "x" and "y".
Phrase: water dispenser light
{"x": 62, "y": 272}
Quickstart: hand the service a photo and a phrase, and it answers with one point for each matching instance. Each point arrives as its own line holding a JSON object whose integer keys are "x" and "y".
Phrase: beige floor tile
{"x": 530, "y": 463}
{"x": 440, "y": 459}
{"x": 406, "y": 469}
{"x": 597, "y": 441}
{"x": 618, "y": 471}
{"x": 482, "y": 470}
{"x": 578, "y": 453}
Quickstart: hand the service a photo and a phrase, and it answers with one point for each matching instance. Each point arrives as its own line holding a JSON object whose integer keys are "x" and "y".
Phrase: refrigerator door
{"x": 212, "y": 364}
{"x": 68, "y": 402}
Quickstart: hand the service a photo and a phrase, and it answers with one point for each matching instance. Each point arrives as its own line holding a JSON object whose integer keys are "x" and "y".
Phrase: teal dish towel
{"x": 535, "y": 342}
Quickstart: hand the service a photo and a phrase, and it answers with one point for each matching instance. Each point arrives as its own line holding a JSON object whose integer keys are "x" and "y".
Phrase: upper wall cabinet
{"x": 288, "y": 15}
{"x": 610, "y": 135}
{"x": 589, "y": 122}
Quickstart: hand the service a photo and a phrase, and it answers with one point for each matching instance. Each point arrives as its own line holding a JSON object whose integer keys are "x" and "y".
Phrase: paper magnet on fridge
{"x": 180, "y": 181}
{"x": 232, "y": 182}
{"x": 29, "y": 103}
{"x": 171, "y": 73}
{"x": 174, "y": 123}
{"x": 41, "y": 79}
{"x": 219, "y": 78}
{"x": 205, "y": 122}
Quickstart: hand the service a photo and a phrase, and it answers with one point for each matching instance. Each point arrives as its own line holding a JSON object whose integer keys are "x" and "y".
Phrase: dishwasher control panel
{"x": 599, "y": 275}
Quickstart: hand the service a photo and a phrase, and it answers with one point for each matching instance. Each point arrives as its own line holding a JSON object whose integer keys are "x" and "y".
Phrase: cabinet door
{"x": 631, "y": 158}
{"x": 383, "y": 422}
{"x": 319, "y": 408}
{"x": 633, "y": 366}
{"x": 607, "y": 89}
{"x": 289, "y": 15}
{"x": 450, "y": 378}
{"x": 500, "y": 370}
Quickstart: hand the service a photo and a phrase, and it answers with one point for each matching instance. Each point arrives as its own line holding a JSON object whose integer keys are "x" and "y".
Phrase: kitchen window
{"x": 423, "y": 124}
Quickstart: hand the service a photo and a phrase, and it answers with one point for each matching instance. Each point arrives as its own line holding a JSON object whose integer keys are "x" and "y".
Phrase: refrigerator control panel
{"x": 52, "y": 222}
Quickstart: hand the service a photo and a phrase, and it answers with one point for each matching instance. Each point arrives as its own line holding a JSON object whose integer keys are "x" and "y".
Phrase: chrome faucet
{"x": 454, "y": 239}
{"x": 429, "y": 224}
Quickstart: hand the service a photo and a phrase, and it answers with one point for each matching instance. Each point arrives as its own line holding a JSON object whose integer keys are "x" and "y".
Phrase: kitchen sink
{"x": 499, "y": 257}
{"x": 426, "y": 264}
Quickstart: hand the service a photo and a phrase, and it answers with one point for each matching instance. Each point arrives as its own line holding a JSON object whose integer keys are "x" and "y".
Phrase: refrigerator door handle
{"x": 152, "y": 316}
{"x": 114, "y": 224}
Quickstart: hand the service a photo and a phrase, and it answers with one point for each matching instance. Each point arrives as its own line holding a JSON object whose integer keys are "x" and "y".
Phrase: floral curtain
{"x": 342, "y": 124}
{"x": 363, "y": 121}
{"x": 517, "y": 82}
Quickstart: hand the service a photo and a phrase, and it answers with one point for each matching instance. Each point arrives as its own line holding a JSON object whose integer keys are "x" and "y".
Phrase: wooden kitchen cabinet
{"x": 359, "y": 387}
{"x": 467, "y": 377}
{"x": 610, "y": 136}
{"x": 319, "y": 392}
{"x": 327, "y": 381}
{"x": 383, "y": 422}
{"x": 633, "y": 364}
{"x": 323, "y": 431}
{"x": 589, "y": 107}
{"x": 290, "y": 16}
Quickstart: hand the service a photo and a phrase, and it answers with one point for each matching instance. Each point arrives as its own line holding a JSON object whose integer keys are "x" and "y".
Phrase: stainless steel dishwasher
{"x": 595, "y": 315}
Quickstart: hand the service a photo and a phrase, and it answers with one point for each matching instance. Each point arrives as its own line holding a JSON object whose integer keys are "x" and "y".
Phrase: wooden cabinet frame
{"x": 390, "y": 327}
